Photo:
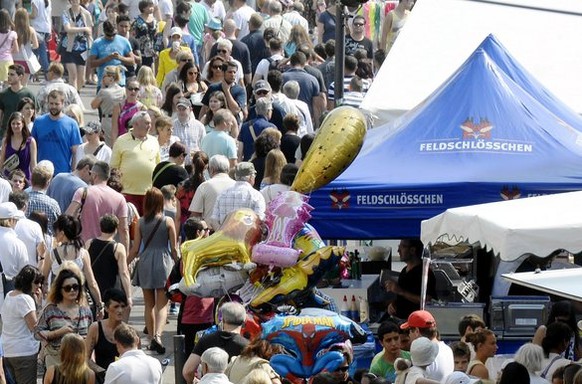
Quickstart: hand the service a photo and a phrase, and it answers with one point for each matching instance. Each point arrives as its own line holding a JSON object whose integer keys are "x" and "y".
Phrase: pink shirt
{"x": 198, "y": 310}
{"x": 100, "y": 200}
{"x": 6, "y": 40}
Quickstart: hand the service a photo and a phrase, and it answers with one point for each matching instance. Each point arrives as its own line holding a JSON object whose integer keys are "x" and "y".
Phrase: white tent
{"x": 513, "y": 229}
{"x": 563, "y": 282}
{"x": 440, "y": 35}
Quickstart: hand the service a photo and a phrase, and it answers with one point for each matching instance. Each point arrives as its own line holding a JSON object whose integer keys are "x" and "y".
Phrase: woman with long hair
{"x": 66, "y": 312}
{"x": 73, "y": 368}
{"x": 217, "y": 101}
{"x": 78, "y": 24}
{"x": 67, "y": 233}
{"x": 215, "y": 70}
{"x": 124, "y": 111}
{"x": 255, "y": 355}
{"x": 274, "y": 163}
{"x": 9, "y": 46}
{"x": 75, "y": 112}
{"x": 100, "y": 337}
{"x": 110, "y": 95}
{"x": 155, "y": 235}
{"x": 485, "y": 344}
{"x": 173, "y": 94}
{"x": 27, "y": 42}
{"x": 19, "y": 321}
{"x": 27, "y": 107}
{"x": 149, "y": 93}
{"x": 297, "y": 38}
{"x": 188, "y": 187}
{"x": 18, "y": 147}
{"x": 40, "y": 20}
{"x": 190, "y": 81}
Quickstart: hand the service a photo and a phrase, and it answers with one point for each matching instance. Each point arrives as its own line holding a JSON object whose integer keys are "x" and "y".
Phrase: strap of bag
{"x": 150, "y": 237}
{"x": 98, "y": 149}
{"x": 57, "y": 256}
{"x": 160, "y": 171}
{"x": 5, "y": 39}
{"x": 252, "y": 130}
{"x": 83, "y": 199}
{"x": 101, "y": 253}
{"x": 545, "y": 371}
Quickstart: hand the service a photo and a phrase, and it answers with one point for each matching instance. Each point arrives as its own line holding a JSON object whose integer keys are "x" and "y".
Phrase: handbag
{"x": 31, "y": 62}
{"x": 134, "y": 274}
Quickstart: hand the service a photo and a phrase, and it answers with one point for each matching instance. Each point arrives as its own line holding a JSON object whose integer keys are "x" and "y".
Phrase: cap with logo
{"x": 183, "y": 102}
{"x": 261, "y": 85}
{"x": 92, "y": 127}
{"x": 419, "y": 319}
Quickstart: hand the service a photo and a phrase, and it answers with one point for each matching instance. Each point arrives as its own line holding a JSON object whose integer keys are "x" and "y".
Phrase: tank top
{"x": 397, "y": 24}
{"x": 105, "y": 267}
{"x": 23, "y": 157}
{"x": 58, "y": 377}
{"x": 125, "y": 115}
{"x": 105, "y": 352}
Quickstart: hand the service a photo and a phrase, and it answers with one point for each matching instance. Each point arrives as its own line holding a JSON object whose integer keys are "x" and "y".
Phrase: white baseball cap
{"x": 459, "y": 378}
{"x": 8, "y": 210}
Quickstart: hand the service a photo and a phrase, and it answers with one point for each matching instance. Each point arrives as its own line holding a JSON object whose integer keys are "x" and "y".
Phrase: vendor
{"x": 408, "y": 287}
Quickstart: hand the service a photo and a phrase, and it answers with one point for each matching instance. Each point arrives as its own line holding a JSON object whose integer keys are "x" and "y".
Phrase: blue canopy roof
{"x": 480, "y": 137}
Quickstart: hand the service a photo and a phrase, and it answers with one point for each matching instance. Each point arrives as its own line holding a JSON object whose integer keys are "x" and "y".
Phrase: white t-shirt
{"x": 104, "y": 153}
{"x": 215, "y": 10}
{"x": 263, "y": 66}
{"x": 5, "y": 189}
{"x": 42, "y": 22}
{"x": 17, "y": 339}
{"x": 166, "y": 8}
{"x": 31, "y": 235}
{"x": 443, "y": 365}
{"x": 241, "y": 18}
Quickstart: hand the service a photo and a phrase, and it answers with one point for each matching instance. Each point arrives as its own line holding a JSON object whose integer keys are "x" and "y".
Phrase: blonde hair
{"x": 77, "y": 112}
{"x": 257, "y": 376}
{"x": 113, "y": 70}
{"x": 145, "y": 77}
{"x": 274, "y": 164}
{"x": 73, "y": 367}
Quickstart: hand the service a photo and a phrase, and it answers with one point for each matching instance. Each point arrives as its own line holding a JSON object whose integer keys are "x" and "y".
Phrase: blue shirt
{"x": 259, "y": 124}
{"x": 54, "y": 139}
{"x": 239, "y": 94}
{"x": 63, "y": 187}
{"x": 103, "y": 47}
{"x": 308, "y": 85}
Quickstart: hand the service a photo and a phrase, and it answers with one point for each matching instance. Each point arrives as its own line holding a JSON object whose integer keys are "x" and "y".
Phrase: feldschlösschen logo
{"x": 477, "y": 135}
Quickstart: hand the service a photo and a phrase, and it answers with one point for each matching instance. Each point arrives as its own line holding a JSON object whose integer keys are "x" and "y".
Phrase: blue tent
{"x": 480, "y": 137}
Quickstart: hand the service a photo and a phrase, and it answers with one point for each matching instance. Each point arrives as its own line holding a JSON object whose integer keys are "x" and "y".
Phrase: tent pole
{"x": 339, "y": 54}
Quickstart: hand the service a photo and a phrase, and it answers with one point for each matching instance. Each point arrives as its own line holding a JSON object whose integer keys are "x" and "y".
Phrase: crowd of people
{"x": 203, "y": 108}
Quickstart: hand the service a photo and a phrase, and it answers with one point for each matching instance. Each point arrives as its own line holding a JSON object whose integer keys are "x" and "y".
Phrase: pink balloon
{"x": 286, "y": 215}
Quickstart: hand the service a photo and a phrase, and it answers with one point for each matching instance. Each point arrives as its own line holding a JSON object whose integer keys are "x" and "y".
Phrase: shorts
{"x": 73, "y": 58}
{"x": 4, "y": 69}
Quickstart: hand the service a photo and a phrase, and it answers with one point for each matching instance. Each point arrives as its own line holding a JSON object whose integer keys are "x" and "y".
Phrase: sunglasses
{"x": 262, "y": 92}
{"x": 343, "y": 369}
{"x": 221, "y": 51}
{"x": 133, "y": 89}
{"x": 69, "y": 288}
{"x": 219, "y": 67}
{"x": 186, "y": 60}
{"x": 358, "y": 25}
{"x": 206, "y": 229}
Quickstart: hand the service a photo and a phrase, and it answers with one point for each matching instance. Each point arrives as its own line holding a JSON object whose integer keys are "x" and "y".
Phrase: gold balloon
{"x": 336, "y": 145}
{"x": 232, "y": 243}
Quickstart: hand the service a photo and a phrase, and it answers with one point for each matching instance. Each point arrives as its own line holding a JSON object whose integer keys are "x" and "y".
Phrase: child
{"x": 462, "y": 355}
{"x": 423, "y": 352}
{"x": 383, "y": 363}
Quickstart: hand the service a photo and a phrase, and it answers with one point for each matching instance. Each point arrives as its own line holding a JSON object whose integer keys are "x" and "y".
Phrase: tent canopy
{"x": 479, "y": 138}
{"x": 562, "y": 282}
{"x": 439, "y": 35}
{"x": 538, "y": 225}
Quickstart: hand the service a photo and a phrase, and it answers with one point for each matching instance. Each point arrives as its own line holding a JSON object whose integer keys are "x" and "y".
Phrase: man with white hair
{"x": 291, "y": 90}
{"x": 294, "y": 15}
{"x": 240, "y": 195}
{"x": 276, "y": 21}
{"x": 252, "y": 128}
{"x": 205, "y": 197}
{"x": 227, "y": 338}
{"x": 213, "y": 362}
{"x": 136, "y": 154}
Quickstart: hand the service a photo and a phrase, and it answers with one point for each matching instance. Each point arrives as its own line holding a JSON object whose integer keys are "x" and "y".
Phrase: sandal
{"x": 157, "y": 346}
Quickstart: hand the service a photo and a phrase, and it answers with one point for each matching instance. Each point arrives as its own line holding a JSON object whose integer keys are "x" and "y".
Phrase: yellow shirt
{"x": 136, "y": 159}
{"x": 167, "y": 64}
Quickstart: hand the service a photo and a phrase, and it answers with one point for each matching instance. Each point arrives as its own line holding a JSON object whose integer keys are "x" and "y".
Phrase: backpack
{"x": 273, "y": 64}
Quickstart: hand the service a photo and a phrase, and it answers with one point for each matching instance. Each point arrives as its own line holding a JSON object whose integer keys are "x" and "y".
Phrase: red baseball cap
{"x": 419, "y": 319}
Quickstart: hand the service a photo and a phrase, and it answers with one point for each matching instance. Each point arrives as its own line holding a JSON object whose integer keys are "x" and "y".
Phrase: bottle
{"x": 344, "y": 308}
{"x": 354, "y": 310}
{"x": 364, "y": 310}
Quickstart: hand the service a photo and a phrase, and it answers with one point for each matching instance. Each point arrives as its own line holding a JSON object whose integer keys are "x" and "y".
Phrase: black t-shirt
{"x": 352, "y": 45}
{"x": 232, "y": 343}
{"x": 174, "y": 174}
{"x": 411, "y": 282}
{"x": 289, "y": 144}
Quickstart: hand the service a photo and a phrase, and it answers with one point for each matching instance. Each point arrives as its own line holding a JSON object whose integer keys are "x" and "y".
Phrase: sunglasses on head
{"x": 69, "y": 288}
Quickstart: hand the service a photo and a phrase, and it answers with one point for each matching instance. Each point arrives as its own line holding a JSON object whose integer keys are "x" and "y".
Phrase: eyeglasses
{"x": 343, "y": 369}
{"x": 186, "y": 60}
{"x": 133, "y": 89}
{"x": 221, "y": 51}
{"x": 69, "y": 288}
